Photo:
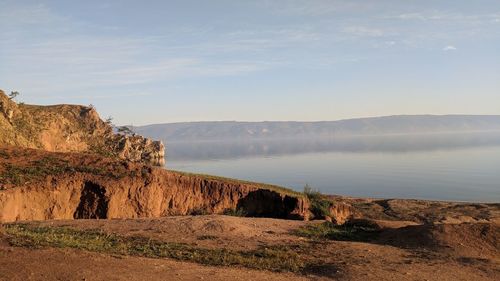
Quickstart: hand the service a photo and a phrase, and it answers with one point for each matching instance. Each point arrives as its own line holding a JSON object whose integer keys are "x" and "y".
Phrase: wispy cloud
{"x": 314, "y": 7}
{"x": 449, "y": 48}
{"x": 364, "y": 31}
{"x": 445, "y": 16}
{"x": 175, "y": 68}
{"x": 26, "y": 14}
{"x": 417, "y": 16}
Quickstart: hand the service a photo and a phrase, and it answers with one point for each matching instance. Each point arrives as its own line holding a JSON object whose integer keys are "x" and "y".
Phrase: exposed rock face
{"x": 340, "y": 213}
{"x": 140, "y": 149}
{"x": 7, "y": 107}
{"x": 65, "y": 128}
{"x": 86, "y": 186}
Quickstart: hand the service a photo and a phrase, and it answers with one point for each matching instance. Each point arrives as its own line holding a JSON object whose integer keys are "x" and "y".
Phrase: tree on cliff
{"x": 125, "y": 130}
{"x": 109, "y": 121}
{"x": 13, "y": 95}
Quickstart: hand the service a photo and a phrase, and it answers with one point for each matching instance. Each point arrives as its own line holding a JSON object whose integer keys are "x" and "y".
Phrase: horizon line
{"x": 321, "y": 121}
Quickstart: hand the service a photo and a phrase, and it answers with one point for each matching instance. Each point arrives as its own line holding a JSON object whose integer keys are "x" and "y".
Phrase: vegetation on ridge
{"x": 39, "y": 169}
{"x": 271, "y": 187}
{"x": 320, "y": 205}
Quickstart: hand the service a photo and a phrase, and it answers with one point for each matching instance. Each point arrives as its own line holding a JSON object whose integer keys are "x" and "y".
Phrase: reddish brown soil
{"x": 41, "y": 185}
{"x": 440, "y": 252}
{"x": 65, "y": 264}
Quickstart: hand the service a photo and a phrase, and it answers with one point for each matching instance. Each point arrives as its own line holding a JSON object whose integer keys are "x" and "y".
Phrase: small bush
{"x": 235, "y": 212}
{"x": 4, "y": 154}
{"x": 207, "y": 237}
{"x": 199, "y": 212}
{"x": 320, "y": 206}
{"x": 346, "y": 232}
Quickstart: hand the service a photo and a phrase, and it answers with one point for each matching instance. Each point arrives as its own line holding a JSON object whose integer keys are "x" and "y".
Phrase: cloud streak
{"x": 445, "y": 16}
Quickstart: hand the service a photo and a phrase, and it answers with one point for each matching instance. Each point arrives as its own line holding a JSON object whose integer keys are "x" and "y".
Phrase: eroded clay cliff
{"x": 49, "y": 185}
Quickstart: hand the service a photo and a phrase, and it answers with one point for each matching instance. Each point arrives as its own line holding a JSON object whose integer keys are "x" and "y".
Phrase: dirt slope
{"x": 473, "y": 239}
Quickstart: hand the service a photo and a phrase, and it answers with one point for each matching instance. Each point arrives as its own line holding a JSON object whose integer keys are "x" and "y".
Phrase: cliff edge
{"x": 41, "y": 185}
{"x": 71, "y": 128}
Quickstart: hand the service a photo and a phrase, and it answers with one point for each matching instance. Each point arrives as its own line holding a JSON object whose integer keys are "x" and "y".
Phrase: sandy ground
{"x": 466, "y": 252}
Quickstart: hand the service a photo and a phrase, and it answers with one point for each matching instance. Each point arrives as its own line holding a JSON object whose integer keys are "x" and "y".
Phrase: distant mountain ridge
{"x": 397, "y": 124}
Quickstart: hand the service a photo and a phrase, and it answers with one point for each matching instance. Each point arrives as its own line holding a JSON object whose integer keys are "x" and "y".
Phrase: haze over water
{"x": 459, "y": 167}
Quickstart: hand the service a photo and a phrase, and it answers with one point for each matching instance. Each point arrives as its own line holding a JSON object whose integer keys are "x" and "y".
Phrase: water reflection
{"x": 461, "y": 167}
{"x": 220, "y": 150}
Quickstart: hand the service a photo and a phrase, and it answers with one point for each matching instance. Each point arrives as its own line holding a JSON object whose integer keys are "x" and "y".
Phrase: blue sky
{"x": 151, "y": 61}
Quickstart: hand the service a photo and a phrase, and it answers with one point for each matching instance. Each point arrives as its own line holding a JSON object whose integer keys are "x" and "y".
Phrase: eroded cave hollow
{"x": 267, "y": 203}
{"x": 93, "y": 202}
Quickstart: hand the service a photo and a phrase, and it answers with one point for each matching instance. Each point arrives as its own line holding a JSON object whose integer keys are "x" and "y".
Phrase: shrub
{"x": 199, "y": 212}
{"x": 346, "y": 232}
{"x": 320, "y": 206}
{"x": 235, "y": 212}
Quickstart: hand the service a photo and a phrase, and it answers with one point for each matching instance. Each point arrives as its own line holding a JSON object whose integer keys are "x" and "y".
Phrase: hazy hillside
{"x": 403, "y": 124}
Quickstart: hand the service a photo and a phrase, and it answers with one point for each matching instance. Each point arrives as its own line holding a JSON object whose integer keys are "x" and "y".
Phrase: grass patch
{"x": 276, "y": 188}
{"x": 279, "y": 258}
{"x": 4, "y": 154}
{"x": 41, "y": 168}
{"x": 199, "y": 212}
{"x": 207, "y": 237}
{"x": 235, "y": 212}
{"x": 346, "y": 232}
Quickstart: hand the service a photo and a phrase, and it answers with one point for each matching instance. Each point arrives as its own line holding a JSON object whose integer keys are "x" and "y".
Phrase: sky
{"x": 145, "y": 62}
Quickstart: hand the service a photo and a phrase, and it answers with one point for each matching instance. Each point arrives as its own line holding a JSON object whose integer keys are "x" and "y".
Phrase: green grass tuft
{"x": 235, "y": 212}
{"x": 199, "y": 212}
{"x": 319, "y": 204}
{"x": 346, "y": 232}
{"x": 207, "y": 237}
{"x": 4, "y": 154}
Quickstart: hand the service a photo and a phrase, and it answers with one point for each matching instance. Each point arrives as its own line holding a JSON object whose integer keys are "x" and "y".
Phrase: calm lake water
{"x": 463, "y": 167}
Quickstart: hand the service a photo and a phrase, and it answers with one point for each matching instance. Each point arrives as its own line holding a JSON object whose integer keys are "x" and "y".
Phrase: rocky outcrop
{"x": 71, "y": 128}
{"x": 340, "y": 213}
{"x": 139, "y": 149}
{"x": 7, "y": 107}
{"x": 75, "y": 186}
